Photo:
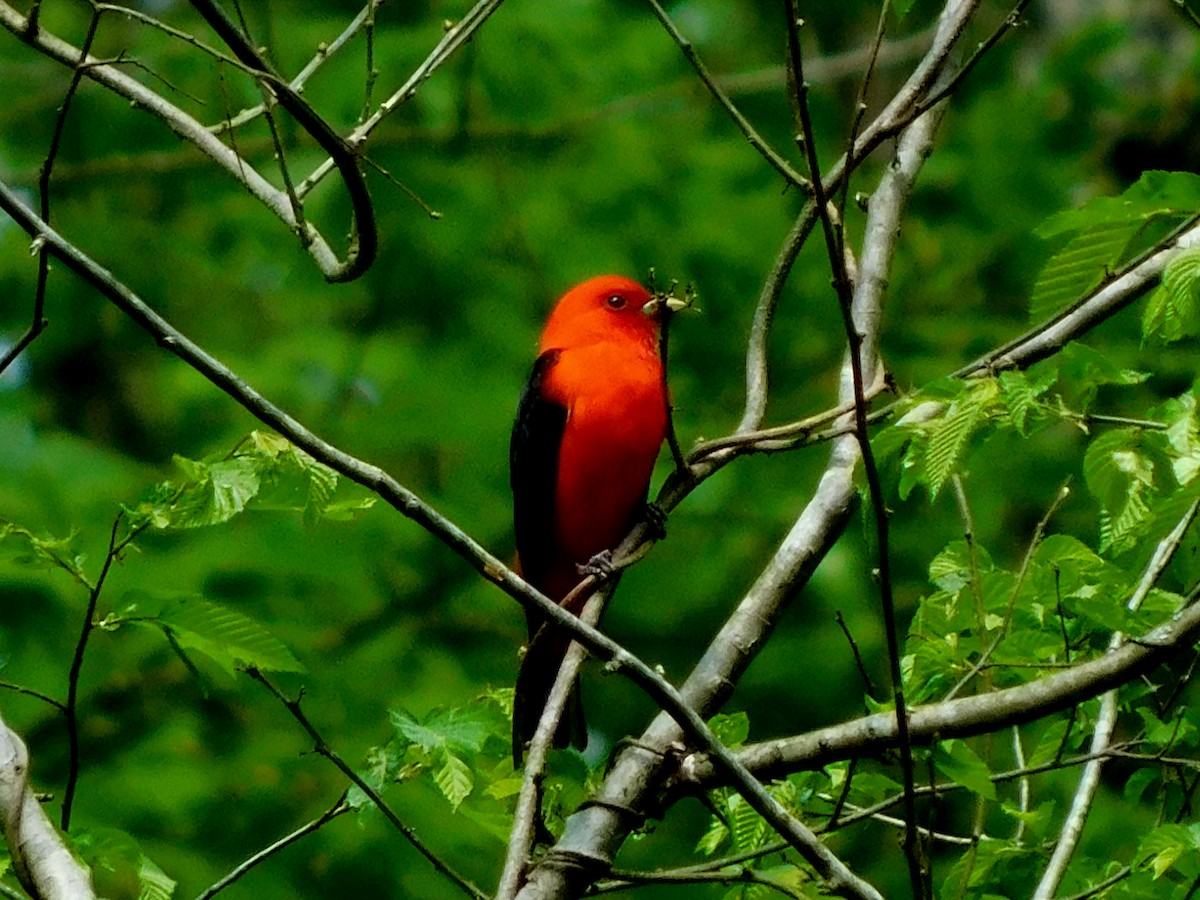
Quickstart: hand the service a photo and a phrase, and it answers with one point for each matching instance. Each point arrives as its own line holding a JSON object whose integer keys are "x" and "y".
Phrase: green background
{"x": 566, "y": 140}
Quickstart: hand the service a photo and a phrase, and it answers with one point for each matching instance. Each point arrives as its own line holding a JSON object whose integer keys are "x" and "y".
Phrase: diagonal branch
{"x": 679, "y": 710}
{"x": 40, "y": 858}
{"x": 963, "y": 717}
{"x": 185, "y": 126}
{"x": 1089, "y": 781}
{"x": 364, "y": 243}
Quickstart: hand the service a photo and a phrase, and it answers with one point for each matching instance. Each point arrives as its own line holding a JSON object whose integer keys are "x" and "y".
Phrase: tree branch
{"x": 1089, "y": 781}
{"x": 42, "y": 862}
{"x": 963, "y": 717}
{"x": 185, "y": 126}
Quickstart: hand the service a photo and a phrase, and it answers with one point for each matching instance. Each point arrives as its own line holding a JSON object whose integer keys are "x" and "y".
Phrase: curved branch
{"x": 42, "y": 862}
{"x": 364, "y": 243}
{"x": 183, "y": 125}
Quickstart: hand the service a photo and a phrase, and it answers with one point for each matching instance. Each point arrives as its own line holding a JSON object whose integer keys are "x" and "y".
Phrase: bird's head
{"x": 604, "y": 307}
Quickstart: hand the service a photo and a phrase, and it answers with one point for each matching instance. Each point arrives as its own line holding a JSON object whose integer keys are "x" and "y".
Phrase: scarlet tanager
{"x": 589, "y": 426}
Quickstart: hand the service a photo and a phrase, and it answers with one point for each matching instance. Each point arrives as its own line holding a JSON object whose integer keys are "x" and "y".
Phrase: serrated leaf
{"x": 950, "y": 570}
{"x": 1156, "y": 193}
{"x": 460, "y": 729}
{"x": 713, "y": 839}
{"x": 746, "y": 826}
{"x": 153, "y": 882}
{"x": 216, "y": 492}
{"x": 1173, "y": 308}
{"x": 1022, "y": 396}
{"x": 1082, "y": 264}
{"x": 731, "y": 729}
{"x": 229, "y": 638}
{"x": 1162, "y": 848}
{"x": 961, "y": 764}
{"x": 454, "y": 779}
{"x": 949, "y": 435}
{"x": 1183, "y": 437}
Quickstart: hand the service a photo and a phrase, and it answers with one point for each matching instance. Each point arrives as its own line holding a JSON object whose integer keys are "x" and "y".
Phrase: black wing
{"x": 533, "y": 470}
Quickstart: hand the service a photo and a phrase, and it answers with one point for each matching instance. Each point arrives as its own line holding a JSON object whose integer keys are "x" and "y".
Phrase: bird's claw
{"x": 656, "y": 521}
{"x": 599, "y": 566}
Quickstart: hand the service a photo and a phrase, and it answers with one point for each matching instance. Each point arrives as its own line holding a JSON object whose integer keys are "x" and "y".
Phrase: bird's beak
{"x": 654, "y": 306}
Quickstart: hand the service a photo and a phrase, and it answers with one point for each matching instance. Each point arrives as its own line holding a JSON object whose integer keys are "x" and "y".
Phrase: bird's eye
{"x": 616, "y": 301}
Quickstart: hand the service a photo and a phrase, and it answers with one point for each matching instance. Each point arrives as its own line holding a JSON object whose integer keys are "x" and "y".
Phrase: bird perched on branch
{"x": 589, "y": 426}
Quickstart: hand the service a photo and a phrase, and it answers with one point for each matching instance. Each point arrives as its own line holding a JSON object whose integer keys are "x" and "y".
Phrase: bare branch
{"x": 364, "y": 243}
{"x": 42, "y": 862}
{"x": 267, "y": 852}
{"x": 456, "y": 35}
{"x": 756, "y": 140}
{"x": 182, "y": 124}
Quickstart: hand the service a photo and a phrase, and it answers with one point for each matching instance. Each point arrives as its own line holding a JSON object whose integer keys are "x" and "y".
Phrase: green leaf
{"x": 153, "y": 882}
{"x": 713, "y": 839}
{"x": 1156, "y": 193}
{"x": 217, "y": 492}
{"x": 229, "y": 638}
{"x": 731, "y": 729}
{"x": 950, "y": 570}
{"x": 1139, "y": 782}
{"x": 747, "y": 826}
{"x": 1087, "y": 370}
{"x": 961, "y": 764}
{"x": 1173, "y": 308}
{"x": 1085, "y": 262}
{"x": 461, "y": 729}
{"x": 1121, "y": 468}
{"x": 454, "y": 779}
{"x": 1163, "y": 847}
{"x": 949, "y": 434}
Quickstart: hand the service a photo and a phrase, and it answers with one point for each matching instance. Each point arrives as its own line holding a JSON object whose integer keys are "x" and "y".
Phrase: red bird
{"x": 589, "y": 426}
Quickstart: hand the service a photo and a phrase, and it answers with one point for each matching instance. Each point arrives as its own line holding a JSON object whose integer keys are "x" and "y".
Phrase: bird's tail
{"x": 539, "y": 669}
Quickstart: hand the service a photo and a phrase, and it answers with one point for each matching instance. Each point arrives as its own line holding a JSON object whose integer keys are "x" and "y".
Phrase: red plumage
{"x": 589, "y": 427}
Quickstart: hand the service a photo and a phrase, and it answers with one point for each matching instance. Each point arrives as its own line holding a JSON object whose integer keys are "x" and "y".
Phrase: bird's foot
{"x": 600, "y": 566}
{"x": 656, "y": 520}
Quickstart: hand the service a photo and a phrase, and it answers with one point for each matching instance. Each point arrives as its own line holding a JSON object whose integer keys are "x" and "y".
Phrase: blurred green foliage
{"x": 565, "y": 140}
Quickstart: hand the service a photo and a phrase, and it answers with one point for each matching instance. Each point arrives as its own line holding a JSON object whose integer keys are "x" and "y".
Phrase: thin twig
{"x": 455, "y": 37}
{"x": 364, "y": 240}
{"x": 324, "y": 53}
{"x": 182, "y": 124}
{"x": 267, "y": 852}
{"x": 858, "y": 660}
{"x": 72, "y": 706}
{"x": 756, "y": 140}
{"x": 525, "y": 817}
{"x": 1188, "y": 13}
{"x": 951, "y": 84}
{"x": 983, "y": 663}
{"x": 45, "y": 698}
{"x": 1085, "y": 792}
{"x": 322, "y": 748}
{"x": 834, "y": 243}
{"x": 38, "y": 323}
